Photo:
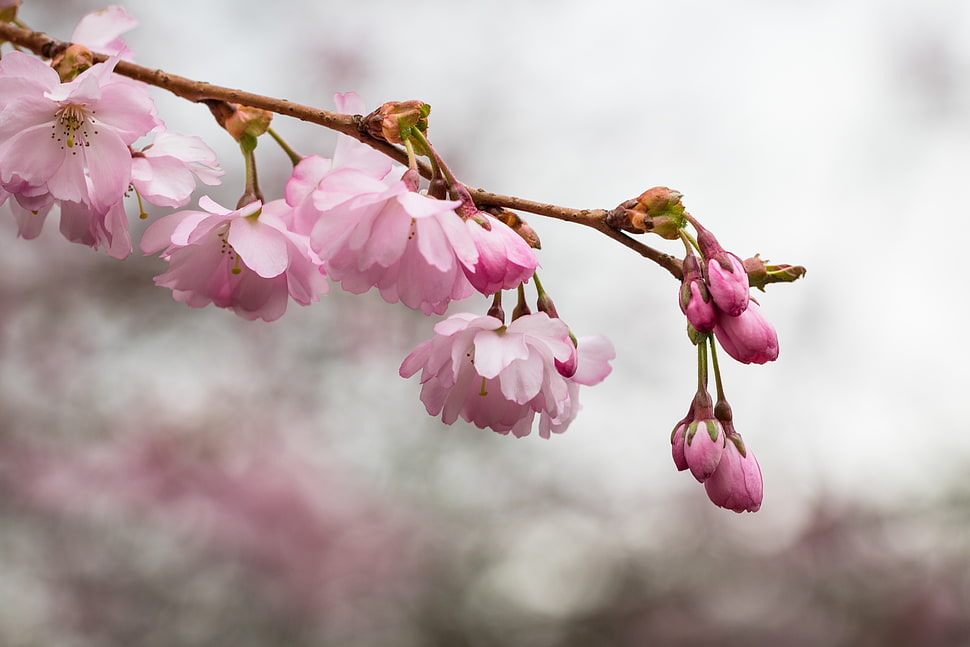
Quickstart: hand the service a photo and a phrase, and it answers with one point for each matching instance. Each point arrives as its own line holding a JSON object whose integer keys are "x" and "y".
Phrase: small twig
{"x": 198, "y": 91}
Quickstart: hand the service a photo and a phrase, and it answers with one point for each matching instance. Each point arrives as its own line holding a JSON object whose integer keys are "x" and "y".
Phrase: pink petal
{"x": 523, "y": 379}
{"x": 495, "y": 351}
{"x": 108, "y": 162}
{"x": 261, "y": 247}
{"x": 160, "y": 234}
{"x": 100, "y": 30}
{"x": 30, "y": 155}
{"x": 595, "y": 353}
{"x": 162, "y": 181}
{"x": 126, "y": 109}
{"x": 305, "y": 177}
{"x": 387, "y": 240}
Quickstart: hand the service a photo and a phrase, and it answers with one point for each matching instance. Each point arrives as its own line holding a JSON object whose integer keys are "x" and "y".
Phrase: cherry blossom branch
{"x": 202, "y": 92}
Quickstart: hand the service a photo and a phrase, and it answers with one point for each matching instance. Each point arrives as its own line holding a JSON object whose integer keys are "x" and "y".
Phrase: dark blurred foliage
{"x": 124, "y": 521}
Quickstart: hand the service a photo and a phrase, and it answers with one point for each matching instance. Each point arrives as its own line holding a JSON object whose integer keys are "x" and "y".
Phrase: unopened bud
{"x": 677, "y": 445}
{"x": 395, "y": 120}
{"x": 703, "y": 446}
{"x": 737, "y": 483}
{"x": 72, "y": 61}
{"x": 659, "y": 201}
{"x": 727, "y": 278}
{"x": 438, "y": 188}
{"x": 657, "y": 211}
{"x": 695, "y": 298}
{"x": 242, "y": 122}
{"x": 544, "y": 304}
{"x": 248, "y": 122}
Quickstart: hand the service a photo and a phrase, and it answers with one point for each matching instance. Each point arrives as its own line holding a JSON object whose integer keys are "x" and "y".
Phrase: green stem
{"x": 702, "y": 367}
{"x": 295, "y": 157}
{"x": 252, "y": 192}
{"x": 717, "y": 370}
{"x": 436, "y": 160}
{"x": 412, "y": 155}
{"x": 689, "y": 241}
{"x": 540, "y": 291}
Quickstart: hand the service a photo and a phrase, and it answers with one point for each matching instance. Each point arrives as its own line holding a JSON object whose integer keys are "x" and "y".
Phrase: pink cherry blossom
{"x": 737, "y": 483}
{"x": 164, "y": 171}
{"x": 411, "y": 247}
{"x": 497, "y": 376}
{"x": 68, "y": 144}
{"x": 505, "y": 260}
{"x": 72, "y": 137}
{"x": 749, "y": 337}
{"x": 245, "y": 259}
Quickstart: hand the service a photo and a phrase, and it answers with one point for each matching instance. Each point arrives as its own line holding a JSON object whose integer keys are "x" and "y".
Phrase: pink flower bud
{"x": 677, "y": 446}
{"x": 736, "y": 483}
{"x": 728, "y": 283}
{"x": 703, "y": 446}
{"x": 695, "y": 299}
{"x": 748, "y": 337}
{"x": 726, "y": 277}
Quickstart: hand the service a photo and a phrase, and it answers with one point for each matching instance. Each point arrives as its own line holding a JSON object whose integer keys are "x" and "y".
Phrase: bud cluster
{"x": 715, "y": 297}
{"x": 706, "y": 443}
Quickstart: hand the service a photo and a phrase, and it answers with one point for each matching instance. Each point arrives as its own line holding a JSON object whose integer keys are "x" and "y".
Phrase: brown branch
{"x": 201, "y": 92}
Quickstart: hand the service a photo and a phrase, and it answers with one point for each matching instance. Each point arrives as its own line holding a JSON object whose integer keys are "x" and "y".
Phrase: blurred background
{"x": 173, "y": 477}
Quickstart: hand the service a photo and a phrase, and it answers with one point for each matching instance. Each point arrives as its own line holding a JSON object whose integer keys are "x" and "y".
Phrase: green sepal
{"x": 248, "y": 142}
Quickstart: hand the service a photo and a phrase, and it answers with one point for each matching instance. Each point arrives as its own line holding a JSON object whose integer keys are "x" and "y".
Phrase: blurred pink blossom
{"x": 305, "y": 532}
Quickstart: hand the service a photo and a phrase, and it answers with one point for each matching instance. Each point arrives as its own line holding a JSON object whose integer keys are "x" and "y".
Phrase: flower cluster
{"x": 80, "y": 137}
{"x": 357, "y": 220}
{"x": 500, "y": 377}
